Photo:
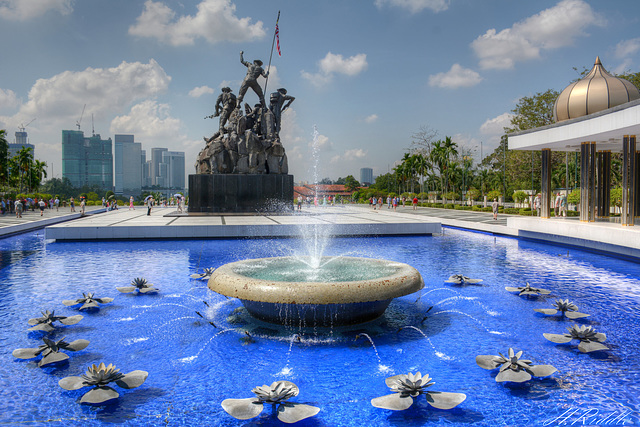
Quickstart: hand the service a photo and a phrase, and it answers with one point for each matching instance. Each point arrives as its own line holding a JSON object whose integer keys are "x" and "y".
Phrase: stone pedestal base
{"x": 227, "y": 193}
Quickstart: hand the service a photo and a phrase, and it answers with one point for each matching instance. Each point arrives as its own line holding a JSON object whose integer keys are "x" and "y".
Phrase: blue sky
{"x": 367, "y": 73}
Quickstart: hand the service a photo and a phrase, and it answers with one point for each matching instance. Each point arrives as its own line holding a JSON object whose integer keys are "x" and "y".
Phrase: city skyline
{"x": 155, "y": 68}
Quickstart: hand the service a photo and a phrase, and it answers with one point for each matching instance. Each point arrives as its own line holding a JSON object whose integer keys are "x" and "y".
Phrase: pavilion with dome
{"x": 595, "y": 116}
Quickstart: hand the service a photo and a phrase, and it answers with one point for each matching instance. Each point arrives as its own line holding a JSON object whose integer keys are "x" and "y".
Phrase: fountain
{"x": 334, "y": 291}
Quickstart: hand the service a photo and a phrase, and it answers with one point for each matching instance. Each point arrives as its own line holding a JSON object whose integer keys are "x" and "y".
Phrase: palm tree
{"x": 4, "y": 151}
{"x": 25, "y": 159}
{"x": 438, "y": 158}
{"x": 422, "y": 166}
{"x": 38, "y": 172}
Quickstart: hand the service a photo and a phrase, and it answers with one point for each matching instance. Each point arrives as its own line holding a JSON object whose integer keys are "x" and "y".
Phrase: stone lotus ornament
{"x": 528, "y": 290}
{"x": 50, "y": 351}
{"x": 459, "y": 279}
{"x": 513, "y": 368}
{"x": 564, "y": 307}
{"x": 203, "y": 276}
{"x": 590, "y": 340}
{"x": 277, "y": 395}
{"x": 407, "y": 386}
{"x": 140, "y": 285}
{"x": 87, "y": 301}
{"x": 98, "y": 377}
{"x": 45, "y": 323}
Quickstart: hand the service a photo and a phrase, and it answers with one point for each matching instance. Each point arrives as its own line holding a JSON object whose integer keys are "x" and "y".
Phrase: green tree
{"x": 351, "y": 183}
{"x": 4, "y": 153}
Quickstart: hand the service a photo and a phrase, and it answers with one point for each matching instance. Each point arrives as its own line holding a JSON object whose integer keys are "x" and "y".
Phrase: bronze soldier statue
{"x": 225, "y": 104}
{"x": 278, "y": 102}
{"x": 251, "y": 79}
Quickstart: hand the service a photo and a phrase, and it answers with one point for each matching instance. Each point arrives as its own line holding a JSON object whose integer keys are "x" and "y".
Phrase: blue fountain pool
{"x": 193, "y": 366}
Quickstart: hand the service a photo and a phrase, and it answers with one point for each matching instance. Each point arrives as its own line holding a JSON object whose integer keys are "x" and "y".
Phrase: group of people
{"x": 559, "y": 204}
{"x": 21, "y": 205}
{"x": 325, "y": 201}
{"x": 392, "y": 202}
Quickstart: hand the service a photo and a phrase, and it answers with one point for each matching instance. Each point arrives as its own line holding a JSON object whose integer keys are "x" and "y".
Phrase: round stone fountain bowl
{"x": 333, "y": 291}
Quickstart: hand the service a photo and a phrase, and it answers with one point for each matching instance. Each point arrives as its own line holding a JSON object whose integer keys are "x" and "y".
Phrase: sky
{"x": 366, "y": 74}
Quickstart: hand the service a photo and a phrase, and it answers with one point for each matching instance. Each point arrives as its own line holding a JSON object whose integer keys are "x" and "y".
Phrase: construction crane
{"x": 81, "y": 115}
{"x": 22, "y": 127}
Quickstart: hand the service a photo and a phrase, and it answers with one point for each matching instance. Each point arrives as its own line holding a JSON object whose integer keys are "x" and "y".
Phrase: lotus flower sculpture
{"x": 407, "y": 386}
{"x": 87, "y": 301}
{"x": 50, "y": 351}
{"x": 277, "y": 395}
{"x": 528, "y": 290}
{"x": 140, "y": 285}
{"x": 564, "y": 307}
{"x": 203, "y": 276}
{"x": 45, "y": 323}
{"x": 513, "y": 368}
{"x": 590, "y": 339}
{"x": 459, "y": 279}
{"x": 98, "y": 377}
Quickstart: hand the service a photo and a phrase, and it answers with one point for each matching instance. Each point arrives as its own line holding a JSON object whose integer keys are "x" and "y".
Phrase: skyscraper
{"x": 156, "y": 159}
{"x": 172, "y": 169}
{"x": 87, "y": 161}
{"x": 127, "y": 165}
{"x": 366, "y": 176}
{"x": 21, "y": 141}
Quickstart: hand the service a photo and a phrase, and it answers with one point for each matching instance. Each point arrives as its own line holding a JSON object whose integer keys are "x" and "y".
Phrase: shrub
{"x": 574, "y": 196}
{"x": 476, "y": 208}
{"x": 511, "y": 211}
{"x": 494, "y": 194}
{"x": 437, "y": 205}
{"x": 473, "y": 193}
{"x": 423, "y": 196}
{"x": 520, "y": 196}
{"x": 526, "y": 212}
{"x": 487, "y": 209}
{"x": 449, "y": 206}
{"x": 451, "y": 195}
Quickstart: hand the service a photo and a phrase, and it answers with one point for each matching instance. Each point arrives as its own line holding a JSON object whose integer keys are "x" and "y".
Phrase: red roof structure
{"x": 321, "y": 190}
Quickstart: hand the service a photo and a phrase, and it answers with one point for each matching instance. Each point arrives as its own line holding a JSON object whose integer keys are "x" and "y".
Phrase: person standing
{"x": 299, "y": 203}
{"x": 19, "y": 207}
{"x": 73, "y": 205}
{"x": 57, "y": 203}
{"x": 149, "y": 205}
{"x": 563, "y": 205}
{"x": 131, "y": 203}
{"x": 556, "y": 204}
{"x": 415, "y": 203}
{"x": 42, "y": 205}
{"x": 536, "y": 204}
{"x": 494, "y": 208}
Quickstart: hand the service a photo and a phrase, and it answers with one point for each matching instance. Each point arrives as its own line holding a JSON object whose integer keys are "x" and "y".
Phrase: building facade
{"x": 21, "y": 141}
{"x": 366, "y": 176}
{"x": 128, "y": 165}
{"x": 87, "y": 161}
{"x": 172, "y": 170}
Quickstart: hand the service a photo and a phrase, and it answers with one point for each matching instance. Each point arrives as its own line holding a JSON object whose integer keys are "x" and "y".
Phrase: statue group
{"x": 247, "y": 142}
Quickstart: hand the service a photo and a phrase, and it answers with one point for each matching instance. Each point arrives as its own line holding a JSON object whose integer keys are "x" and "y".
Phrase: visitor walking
{"x": 131, "y": 203}
{"x": 19, "y": 207}
{"x": 57, "y": 203}
{"x": 556, "y": 204}
{"x": 149, "y": 205}
{"x": 82, "y": 204}
{"x": 494, "y": 208}
{"x": 299, "y": 203}
{"x": 72, "y": 203}
{"x": 415, "y": 203}
{"x": 42, "y": 205}
{"x": 563, "y": 205}
{"x": 536, "y": 204}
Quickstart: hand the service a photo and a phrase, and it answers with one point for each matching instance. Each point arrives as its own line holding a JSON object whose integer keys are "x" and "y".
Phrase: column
{"x": 545, "y": 192}
{"x": 628, "y": 179}
{"x": 584, "y": 182}
{"x": 603, "y": 190}
{"x": 592, "y": 182}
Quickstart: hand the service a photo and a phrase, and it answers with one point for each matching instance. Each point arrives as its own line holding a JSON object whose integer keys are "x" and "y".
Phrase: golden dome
{"x": 595, "y": 92}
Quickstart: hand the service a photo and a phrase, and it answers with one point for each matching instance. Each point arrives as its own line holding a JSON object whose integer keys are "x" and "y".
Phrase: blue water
{"x": 193, "y": 366}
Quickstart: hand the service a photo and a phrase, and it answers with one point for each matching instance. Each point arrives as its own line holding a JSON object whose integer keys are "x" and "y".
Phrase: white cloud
{"x": 322, "y": 144}
{"x": 371, "y": 119}
{"x": 349, "y": 155}
{"x": 215, "y": 21}
{"x": 149, "y": 121}
{"x": 627, "y": 47}
{"x": 197, "y": 92}
{"x": 23, "y": 10}
{"x": 496, "y": 125}
{"x": 58, "y": 101}
{"x": 8, "y": 100}
{"x": 336, "y": 64}
{"x": 415, "y": 6}
{"x": 552, "y": 28}
{"x": 456, "y": 77}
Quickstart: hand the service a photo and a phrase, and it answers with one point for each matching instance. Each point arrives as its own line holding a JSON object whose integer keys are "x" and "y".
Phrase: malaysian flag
{"x": 278, "y": 40}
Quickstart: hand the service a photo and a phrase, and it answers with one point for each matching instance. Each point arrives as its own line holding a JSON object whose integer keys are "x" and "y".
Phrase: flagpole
{"x": 266, "y": 80}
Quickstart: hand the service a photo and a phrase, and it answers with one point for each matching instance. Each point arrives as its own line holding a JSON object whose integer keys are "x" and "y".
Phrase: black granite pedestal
{"x": 227, "y": 193}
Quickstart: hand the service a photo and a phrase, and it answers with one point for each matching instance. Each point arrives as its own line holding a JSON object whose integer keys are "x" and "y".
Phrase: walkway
{"x": 31, "y": 220}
